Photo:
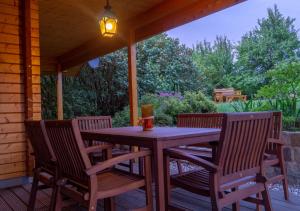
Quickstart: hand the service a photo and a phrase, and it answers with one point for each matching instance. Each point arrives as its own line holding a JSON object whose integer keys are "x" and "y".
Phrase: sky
{"x": 234, "y": 21}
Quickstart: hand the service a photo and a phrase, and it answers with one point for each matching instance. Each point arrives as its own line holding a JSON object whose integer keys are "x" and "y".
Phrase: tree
{"x": 163, "y": 64}
{"x": 283, "y": 86}
{"x": 271, "y": 42}
{"x": 215, "y": 63}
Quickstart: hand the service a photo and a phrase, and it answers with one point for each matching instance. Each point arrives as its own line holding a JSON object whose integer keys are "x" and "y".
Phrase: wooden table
{"x": 157, "y": 140}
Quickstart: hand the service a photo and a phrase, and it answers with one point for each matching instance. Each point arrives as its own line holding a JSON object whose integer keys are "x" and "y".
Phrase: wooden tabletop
{"x": 158, "y": 133}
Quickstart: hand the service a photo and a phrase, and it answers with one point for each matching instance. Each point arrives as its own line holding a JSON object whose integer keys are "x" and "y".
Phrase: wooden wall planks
{"x": 13, "y": 143}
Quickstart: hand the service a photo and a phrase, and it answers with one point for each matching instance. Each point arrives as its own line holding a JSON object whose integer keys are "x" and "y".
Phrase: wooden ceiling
{"x": 69, "y": 31}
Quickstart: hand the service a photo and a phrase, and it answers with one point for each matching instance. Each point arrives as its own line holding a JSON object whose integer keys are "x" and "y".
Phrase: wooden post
{"x": 28, "y": 92}
{"x": 59, "y": 93}
{"x": 133, "y": 96}
{"x": 27, "y": 61}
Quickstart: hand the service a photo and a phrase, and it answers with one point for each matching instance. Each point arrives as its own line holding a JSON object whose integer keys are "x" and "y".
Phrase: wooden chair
{"x": 96, "y": 123}
{"x": 274, "y": 154}
{"x": 86, "y": 183}
{"x": 199, "y": 120}
{"x": 45, "y": 170}
{"x": 239, "y": 161}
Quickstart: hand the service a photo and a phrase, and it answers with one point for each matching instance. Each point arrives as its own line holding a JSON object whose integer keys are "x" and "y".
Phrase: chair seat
{"x": 117, "y": 152}
{"x": 115, "y": 182}
{"x": 196, "y": 151}
{"x": 271, "y": 161}
{"x": 196, "y": 181}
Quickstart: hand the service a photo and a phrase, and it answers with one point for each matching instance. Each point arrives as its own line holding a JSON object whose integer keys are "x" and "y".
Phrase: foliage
{"x": 48, "y": 87}
{"x": 274, "y": 40}
{"x": 166, "y": 108}
{"x": 215, "y": 63}
{"x": 283, "y": 89}
{"x": 165, "y": 65}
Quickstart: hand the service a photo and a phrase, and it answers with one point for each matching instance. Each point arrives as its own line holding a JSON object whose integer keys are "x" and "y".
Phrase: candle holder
{"x": 147, "y": 120}
{"x": 147, "y": 123}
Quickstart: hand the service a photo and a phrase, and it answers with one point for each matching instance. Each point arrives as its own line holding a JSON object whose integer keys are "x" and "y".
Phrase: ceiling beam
{"x": 164, "y": 16}
{"x": 99, "y": 46}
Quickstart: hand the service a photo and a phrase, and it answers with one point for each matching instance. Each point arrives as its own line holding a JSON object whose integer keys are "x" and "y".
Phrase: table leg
{"x": 159, "y": 176}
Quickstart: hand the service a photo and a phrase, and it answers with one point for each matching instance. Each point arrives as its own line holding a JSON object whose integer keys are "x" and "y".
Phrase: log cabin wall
{"x": 14, "y": 150}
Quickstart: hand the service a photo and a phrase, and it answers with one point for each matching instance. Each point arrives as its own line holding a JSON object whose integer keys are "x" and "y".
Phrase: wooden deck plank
{"x": 12, "y": 200}
{"x": 3, "y": 204}
{"x": 43, "y": 199}
{"x": 16, "y": 199}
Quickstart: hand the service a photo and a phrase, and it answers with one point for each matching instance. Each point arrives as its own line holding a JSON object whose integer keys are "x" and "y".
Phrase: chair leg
{"x": 179, "y": 166}
{"x": 266, "y": 199}
{"x": 215, "y": 204}
{"x": 58, "y": 200}
{"x": 167, "y": 180}
{"x": 141, "y": 167}
{"x": 258, "y": 206}
{"x": 54, "y": 196}
{"x": 283, "y": 172}
{"x": 33, "y": 192}
{"x": 148, "y": 187}
{"x": 236, "y": 206}
{"x": 109, "y": 204}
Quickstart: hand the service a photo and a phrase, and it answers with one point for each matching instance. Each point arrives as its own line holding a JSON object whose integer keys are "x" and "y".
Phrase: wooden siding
{"x": 13, "y": 144}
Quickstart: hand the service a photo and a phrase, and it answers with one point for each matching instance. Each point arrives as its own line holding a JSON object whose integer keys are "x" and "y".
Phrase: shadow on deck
{"x": 16, "y": 199}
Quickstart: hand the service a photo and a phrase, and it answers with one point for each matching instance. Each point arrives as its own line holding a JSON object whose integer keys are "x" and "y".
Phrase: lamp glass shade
{"x": 108, "y": 24}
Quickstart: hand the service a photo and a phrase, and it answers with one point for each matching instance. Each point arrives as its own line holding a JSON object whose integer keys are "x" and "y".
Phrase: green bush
{"x": 122, "y": 118}
{"x": 166, "y": 108}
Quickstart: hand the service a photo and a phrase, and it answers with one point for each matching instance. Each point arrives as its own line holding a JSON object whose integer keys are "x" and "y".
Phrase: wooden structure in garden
{"x": 54, "y": 36}
{"x": 228, "y": 95}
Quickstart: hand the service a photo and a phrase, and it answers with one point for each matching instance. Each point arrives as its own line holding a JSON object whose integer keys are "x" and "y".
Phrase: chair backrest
{"x": 242, "y": 143}
{"x": 94, "y": 122}
{"x": 68, "y": 147}
{"x": 38, "y": 138}
{"x": 275, "y": 132}
{"x": 207, "y": 120}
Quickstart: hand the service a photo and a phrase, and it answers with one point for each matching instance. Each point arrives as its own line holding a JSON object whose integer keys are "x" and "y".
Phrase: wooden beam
{"x": 28, "y": 81}
{"x": 158, "y": 11}
{"x": 59, "y": 93}
{"x": 133, "y": 96}
{"x": 99, "y": 46}
{"x": 90, "y": 50}
{"x": 185, "y": 15}
{"x": 28, "y": 60}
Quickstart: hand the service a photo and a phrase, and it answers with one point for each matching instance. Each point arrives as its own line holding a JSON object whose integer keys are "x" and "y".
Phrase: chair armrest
{"x": 116, "y": 160}
{"x": 98, "y": 148}
{"x": 176, "y": 153}
{"x": 276, "y": 141}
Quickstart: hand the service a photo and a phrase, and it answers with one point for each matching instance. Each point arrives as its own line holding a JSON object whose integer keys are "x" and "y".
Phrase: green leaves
{"x": 272, "y": 42}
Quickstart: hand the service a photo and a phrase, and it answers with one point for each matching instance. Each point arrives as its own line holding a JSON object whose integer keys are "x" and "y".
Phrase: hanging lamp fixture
{"x": 108, "y": 22}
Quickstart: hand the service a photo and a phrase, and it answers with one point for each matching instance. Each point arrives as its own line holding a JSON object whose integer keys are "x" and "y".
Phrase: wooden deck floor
{"x": 16, "y": 199}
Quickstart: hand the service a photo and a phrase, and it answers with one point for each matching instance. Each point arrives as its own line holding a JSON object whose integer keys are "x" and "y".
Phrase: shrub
{"x": 166, "y": 107}
{"x": 122, "y": 118}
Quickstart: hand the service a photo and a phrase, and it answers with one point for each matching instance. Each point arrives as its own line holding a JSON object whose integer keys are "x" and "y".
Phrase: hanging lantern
{"x": 108, "y": 22}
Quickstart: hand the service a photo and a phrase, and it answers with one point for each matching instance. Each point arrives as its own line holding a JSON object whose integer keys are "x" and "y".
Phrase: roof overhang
{"x": 69, "y": 29}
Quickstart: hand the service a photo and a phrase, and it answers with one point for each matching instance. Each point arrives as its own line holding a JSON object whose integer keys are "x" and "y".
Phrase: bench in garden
{"x": 228, "y": 95}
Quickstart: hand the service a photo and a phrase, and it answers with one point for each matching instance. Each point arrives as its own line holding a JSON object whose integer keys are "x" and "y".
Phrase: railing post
{"x": 132, "y": 79}
{"x": 59, "y": 93}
